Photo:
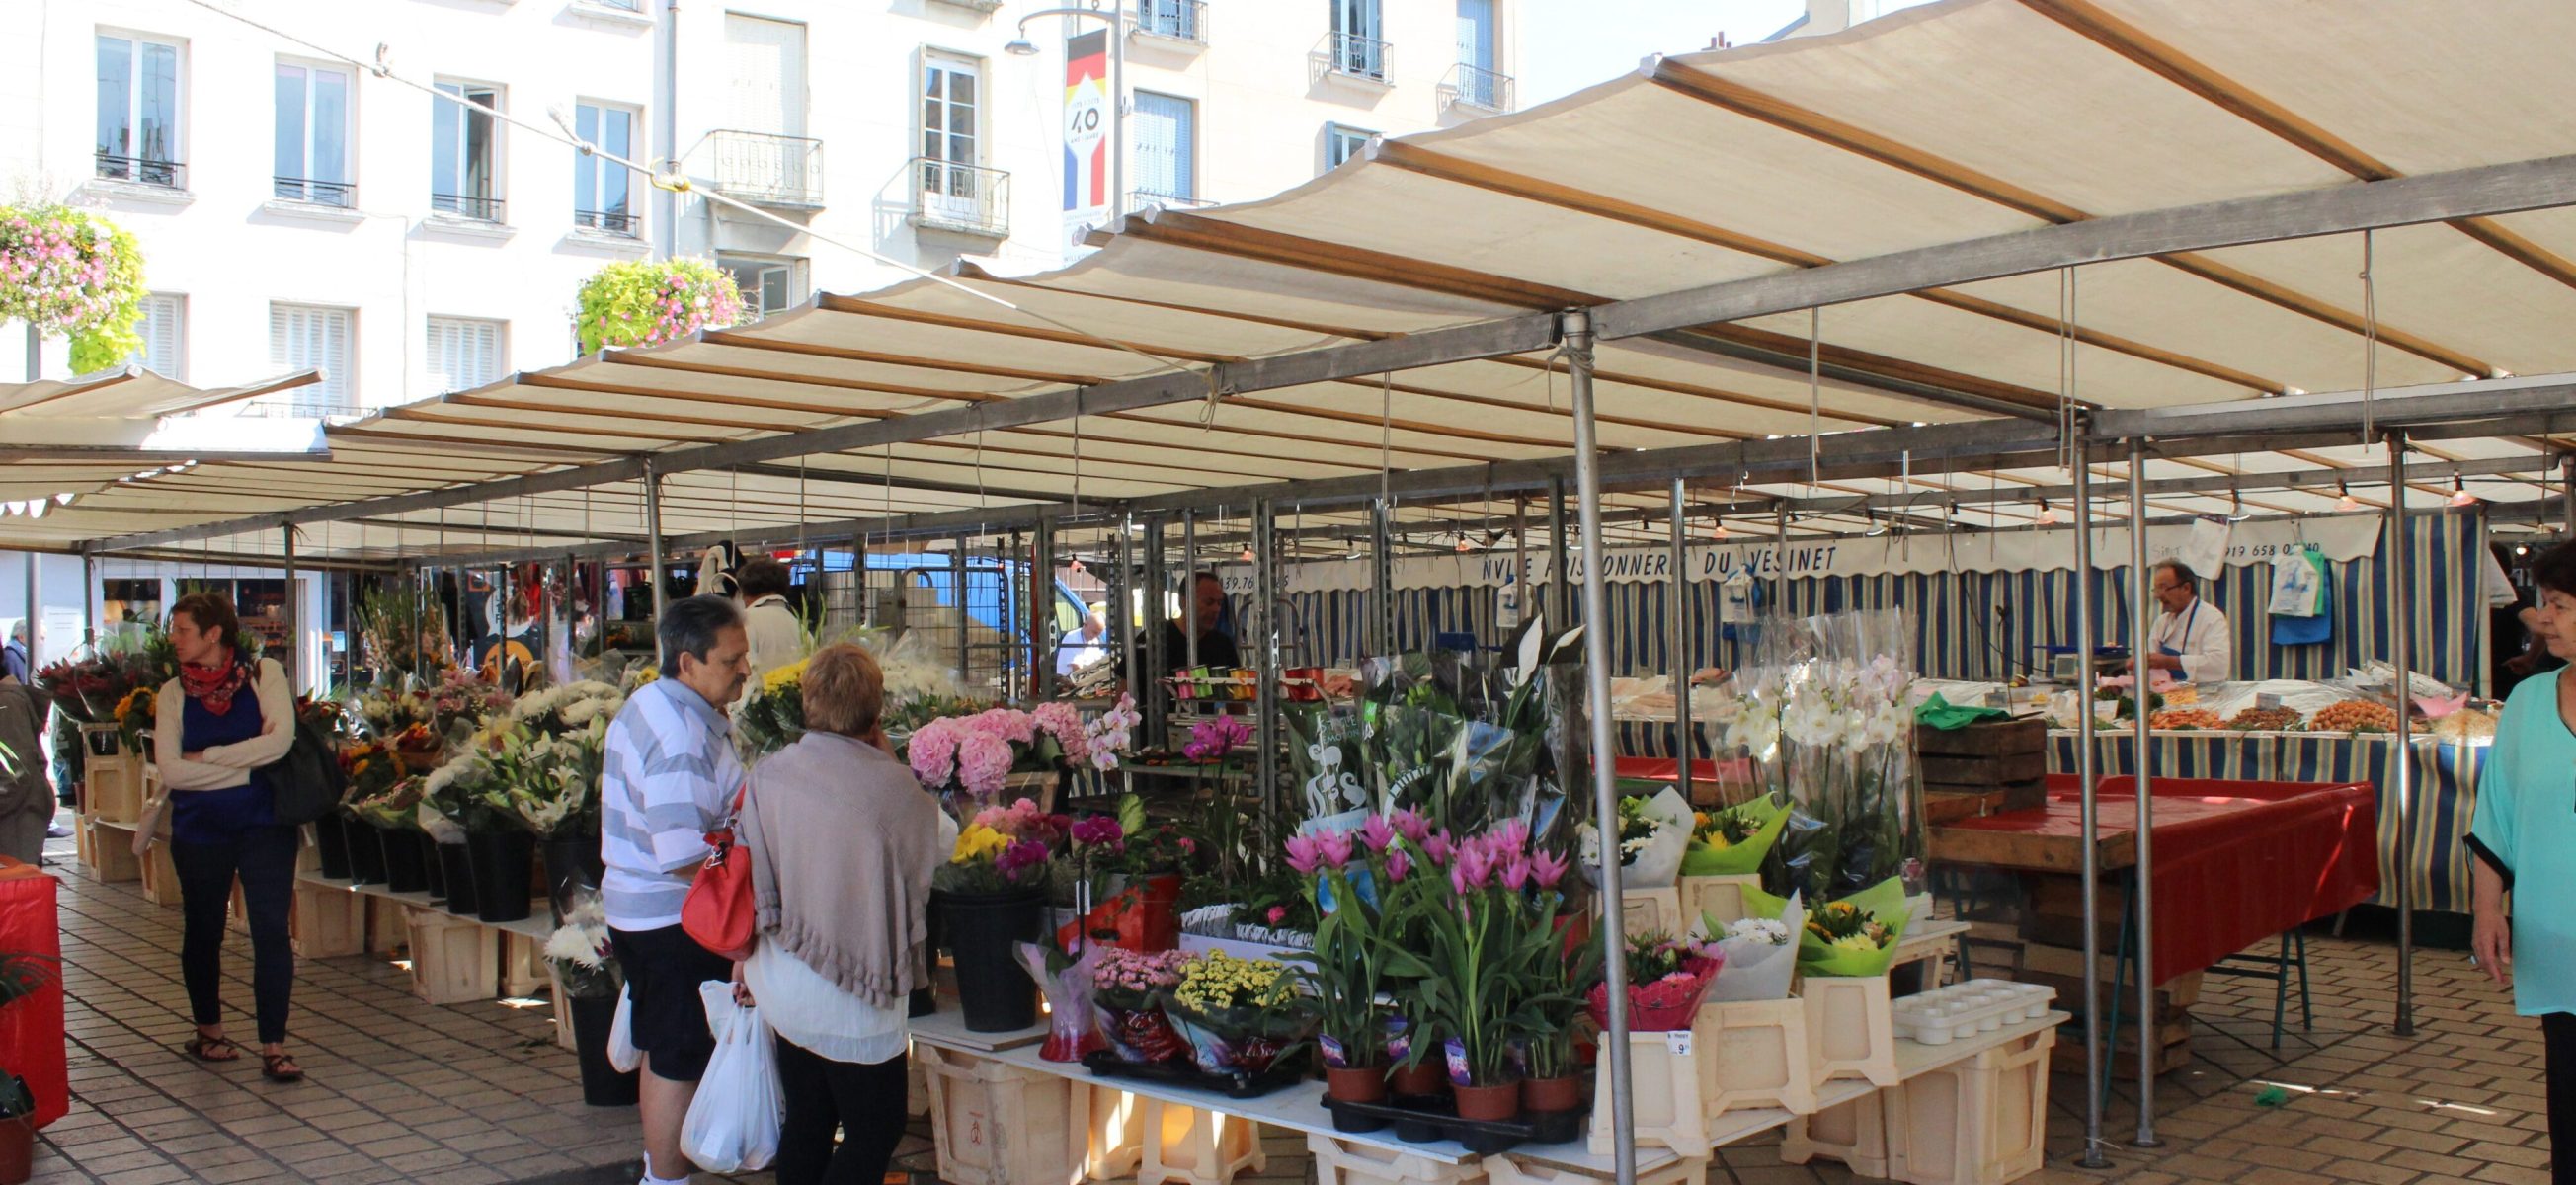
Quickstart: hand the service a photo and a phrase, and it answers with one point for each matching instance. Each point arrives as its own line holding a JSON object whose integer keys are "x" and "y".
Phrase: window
{"x": 138, "y": 109}
{"x": 1166, "y": 147}
{"x": 464, "y": 153}
{"x": 164, "y": 332}
{"x": 601, "y": 195}
{"x": 304, "y": 337}
{"x": 948, "y": 99}
{"x": 313, "y": 133}
{"x": 1478, "y": 81}
{"x": 768, "y": 285}
{"x": 463, "y": 354}
{"x": 1342, "y": 143}
{"x": 1358, "y": 47}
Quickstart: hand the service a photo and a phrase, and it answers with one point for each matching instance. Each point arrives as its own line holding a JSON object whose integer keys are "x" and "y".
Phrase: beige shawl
{"x": 842, "y": 842}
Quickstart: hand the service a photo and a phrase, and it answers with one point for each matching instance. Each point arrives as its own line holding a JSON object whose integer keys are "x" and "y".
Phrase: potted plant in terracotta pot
{"x": 1473, "y": 971}
{"x": 1361, "y": 884}
{"x": 22, "y": 974}
{"x": 1560, "y": 974}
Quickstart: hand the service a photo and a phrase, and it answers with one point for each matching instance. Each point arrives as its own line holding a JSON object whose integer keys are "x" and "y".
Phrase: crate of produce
{"x": 453, "y": 959}
{"x": 993, "y": 1123}
{"x": 1980, "y": 1122}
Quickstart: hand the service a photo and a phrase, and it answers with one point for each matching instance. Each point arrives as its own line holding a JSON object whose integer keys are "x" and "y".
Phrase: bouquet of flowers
{"x": 1734, "y": 840}
{"x": 1215, "y": 737}
{"x": 461, "y": 702}
{"x": 1126, "y": 989}
{"x": 465, "y": 788}
{"x": 1066, "y": 982}
{"x": 1668, "y": 979}
{"x": 371, "y": 767}
{"x": 578, "y": 951}
{"x": 1234, "y": 1012}
{"x": 135, "y": 713}
{"x": 1654, "y": 832}
{"x": 1761, "y": 951}
{"x": 1826, "y": 722}
{"x": 1001, "y": 849}
{"x": 773, "y": 716}
{"x": 1857, "y": 935}
{"x": 977, "y": 754}
{"x": 396, "y": 805}
{"x": 393, "y": 625}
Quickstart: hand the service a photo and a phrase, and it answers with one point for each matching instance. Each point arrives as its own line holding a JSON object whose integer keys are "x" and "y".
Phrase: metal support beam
{"x": 1156, "y": 582}
{"x": 661, "y": 568}
{"x": 2142, "y": 893}
{"x": 1382, "y": 640}
{"x": 1125, "y": 613}
{"x": 1605, "y": 793}
{"x": 295, "y": 656}
{"x": 965, "y": 620}
{"x": 2088, "y": 789}
{"x": 1190, "y": 601}
{"x": 1560, "y": 593}
{"x": 1262, "y": 631}
{"x": 89, "y": 602}
{"x": 2401, "y": 637}
{"x": 1685, "y": 743}
{"x": 2323, "y": 480}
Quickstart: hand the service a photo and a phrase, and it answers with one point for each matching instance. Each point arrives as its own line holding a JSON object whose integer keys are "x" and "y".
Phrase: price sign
{"x": 1678, "y": 1042}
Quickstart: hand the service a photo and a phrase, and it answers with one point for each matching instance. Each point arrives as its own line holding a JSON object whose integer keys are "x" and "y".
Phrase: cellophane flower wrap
{"x": 1734, "y": 840}
{"x": 1826, "y": 721}
{"x": 1127, "y": 989}
{"x": 1855, "y": 936}
{"x": 1761, "y": 949}
{"x": 1066, "y": 982}
{"x": 1654, "y": 835}
{"x": 1235, "y": 1013}
{"x": 547, "y": 751}
{"x": 579, "y": 951}
{"x": 1668, "y": 979}
{"x": 773, "y": 715}
{"x": 1470, "y": 741}
{"x": 1000, "y": 849}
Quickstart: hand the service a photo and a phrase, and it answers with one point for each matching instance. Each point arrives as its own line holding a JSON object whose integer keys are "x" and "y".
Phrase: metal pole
{"x": 1117, "y": 118}
{"x": 1125, "y": 614}
{"x": 957, "y": 587}
{"x": 653, "y": 543}
{"x": 35, "y": 617}
{"x": 2401, "y": 637}
{"x": 1522, "y": 603}
{"x": 1596, "y": 676}
{"x": 1042, "y": 640}
{"x": 1780, "y": 557}
{"x": 2142, "y": 887}
{"x": 2087, "y": 778}
{"x": 2567, "y": 491}
{"x": 1381, "y": 581}
{"x": 89, "y": 601}
{"x": 1190, "y": 601}
{"x": 295, "y": 617}
{"x": 1157, "y": 659}
{"x": 1560, "y": 588}
{"x": 1263, "y": 634}
{"x": 1686, "y": 746}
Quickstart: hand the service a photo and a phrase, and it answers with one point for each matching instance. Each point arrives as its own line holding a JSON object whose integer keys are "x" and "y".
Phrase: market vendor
{"x": 2190, "y": 639}
{"x": 1216, "y": 647}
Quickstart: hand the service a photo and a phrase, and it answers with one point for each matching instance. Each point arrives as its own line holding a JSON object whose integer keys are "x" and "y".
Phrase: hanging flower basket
{"x": 642, "y": 302}
{"x": 73, "y": 273}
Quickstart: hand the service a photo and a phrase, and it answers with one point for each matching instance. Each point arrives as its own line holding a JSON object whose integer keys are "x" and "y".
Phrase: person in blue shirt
{"x": 2524, "y": 833}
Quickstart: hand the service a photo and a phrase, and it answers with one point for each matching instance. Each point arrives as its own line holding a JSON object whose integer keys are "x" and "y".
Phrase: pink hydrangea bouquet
{"x": 977, "y": 754}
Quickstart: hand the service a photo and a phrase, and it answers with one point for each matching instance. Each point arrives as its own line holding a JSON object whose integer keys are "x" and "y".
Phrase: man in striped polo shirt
{"x": 669, "y": 777}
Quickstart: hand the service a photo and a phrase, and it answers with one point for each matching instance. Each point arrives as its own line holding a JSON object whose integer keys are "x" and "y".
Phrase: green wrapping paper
{"x": 1884, "y": 901}
{"x": 1766, "y": 814}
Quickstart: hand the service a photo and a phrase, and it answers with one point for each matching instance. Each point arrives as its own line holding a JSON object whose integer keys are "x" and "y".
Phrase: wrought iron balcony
{"x": 1179, "y": 20}
{"x": 321, "y": 193}
{"x": 1475, "y": 86}
{"x": 767, "y": 169}
{"x": 1143, "y": 198}
{"x": 142, "y": 170}
{"x": 966, "y": 199}
{"x": 615, "y": 222}
{"x": 473, "y": 207}
{"x": 1351, "y": 55}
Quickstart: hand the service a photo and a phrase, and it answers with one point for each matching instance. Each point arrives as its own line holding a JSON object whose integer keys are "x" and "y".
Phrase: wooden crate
{"x": 160, "y": 876}
{"x": 1993, "y": 738}
{"x": 111, "y": 858}
{"x": 523, "y": 965}
{"x": 993, "y": 1123}
{"x": 328, "y": 922}
{"x": 112, "y": 787}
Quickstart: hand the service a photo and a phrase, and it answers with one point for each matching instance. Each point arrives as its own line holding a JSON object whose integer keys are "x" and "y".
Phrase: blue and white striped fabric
{"x": 667, "y": 777}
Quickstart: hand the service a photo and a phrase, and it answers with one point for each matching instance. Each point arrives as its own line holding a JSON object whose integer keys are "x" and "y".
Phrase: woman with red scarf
{"x": 220, "y": 722}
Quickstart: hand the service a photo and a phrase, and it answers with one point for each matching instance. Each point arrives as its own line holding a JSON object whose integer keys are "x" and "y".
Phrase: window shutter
{"x": 162, "y": 337}
{"x": 1164, "y": 148}
{"x": 463, "y": 354}
{"x": 305, "y": 338}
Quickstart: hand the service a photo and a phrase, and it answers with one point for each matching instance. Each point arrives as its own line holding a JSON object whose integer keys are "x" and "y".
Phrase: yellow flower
{"x": 976, "y": 842}
{"x": 784, "y": 677}
{"x": 1856, "y": 942}
{"x": 359, "y": 768}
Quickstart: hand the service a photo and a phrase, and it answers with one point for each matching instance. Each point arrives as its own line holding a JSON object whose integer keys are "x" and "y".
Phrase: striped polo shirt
{"x": 668, "y": 777}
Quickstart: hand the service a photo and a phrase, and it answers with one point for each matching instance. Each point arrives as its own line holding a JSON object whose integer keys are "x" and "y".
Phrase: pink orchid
{"x": 1398, "y": 864}
{"x": 1376, "y": 833}
{"x": 1334, "y": 847}
{"x": 1302, "y": 853}
{"x": 1547, "y": 868}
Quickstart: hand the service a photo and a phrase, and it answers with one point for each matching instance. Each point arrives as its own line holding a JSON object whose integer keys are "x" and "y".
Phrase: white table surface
{"x": 537, "y": 925}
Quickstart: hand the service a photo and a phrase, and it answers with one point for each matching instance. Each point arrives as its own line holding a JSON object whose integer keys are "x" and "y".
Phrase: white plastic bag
{"x": 621, "y": 1035}
{"x": 732, "y": 1126}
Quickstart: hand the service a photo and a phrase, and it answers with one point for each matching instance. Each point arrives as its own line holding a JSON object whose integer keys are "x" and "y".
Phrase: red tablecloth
{"x": 31, "y": 1029}
{"x": 1666, "y": 769}
{"x": 2233, "y": 862}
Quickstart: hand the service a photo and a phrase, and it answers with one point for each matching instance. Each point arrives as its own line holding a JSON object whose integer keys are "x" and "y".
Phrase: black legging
{"x": 865, "y": 1102}
{"x": 2558, "y": 1042}
{"x": 264, "y": 858}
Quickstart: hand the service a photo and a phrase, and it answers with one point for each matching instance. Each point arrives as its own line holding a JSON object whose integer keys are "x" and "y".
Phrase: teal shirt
{"x": 2526, "y": 822}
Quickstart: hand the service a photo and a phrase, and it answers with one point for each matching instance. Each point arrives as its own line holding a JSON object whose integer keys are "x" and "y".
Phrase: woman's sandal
{"x": 280, "y": 1067}
{"x": 213, "y": 1049}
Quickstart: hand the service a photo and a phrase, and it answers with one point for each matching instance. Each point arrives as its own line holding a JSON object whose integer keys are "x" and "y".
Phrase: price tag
{"x": 2266, "y": 700}
{"x": 1678, "y": 1042}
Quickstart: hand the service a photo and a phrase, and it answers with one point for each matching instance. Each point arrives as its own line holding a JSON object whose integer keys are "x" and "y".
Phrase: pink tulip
{"x": 1334, "y": 847}
{"x": 1547, "y": 868}
{"x": 1376, "y": 833}
{"x": 1411, "y": 823}
{"x": 1516, "y": 872}
{"x": 1302, "y": 854}
{"x": 1437, "y": 847}
{"x": 1397, "y": 864}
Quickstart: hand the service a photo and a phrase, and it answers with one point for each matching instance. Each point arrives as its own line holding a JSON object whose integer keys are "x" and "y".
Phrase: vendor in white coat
{"x": 2190, "y": 639}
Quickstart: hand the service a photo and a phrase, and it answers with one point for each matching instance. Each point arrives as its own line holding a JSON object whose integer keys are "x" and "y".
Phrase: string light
{"x": 2346, "y": 503}
{"x": 2047, "y": 514}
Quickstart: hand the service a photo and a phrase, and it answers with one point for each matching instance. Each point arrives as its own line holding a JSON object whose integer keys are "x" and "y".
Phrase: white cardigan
{"x": 222, "y": 767}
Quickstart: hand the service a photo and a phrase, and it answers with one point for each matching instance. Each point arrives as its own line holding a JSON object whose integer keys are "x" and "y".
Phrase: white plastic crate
{"x": 1719, "y": 898}
{"x": 1508, "y": 1170}
{"x": 1114, "y": 1131}
{"x": 1196, "y": 1146}
{"x": 1343, "y": 1162}
{"x": 1854, "y": 1133}
{"x": 1851, "y": 1030}
{"x": 1982, "y": 1122}
{"x": 993, "y": 1123}
{"x": 1654, "y": 911}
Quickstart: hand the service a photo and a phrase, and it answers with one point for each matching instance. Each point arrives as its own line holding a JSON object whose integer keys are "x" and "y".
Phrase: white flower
{"x": 1767, "y": 931}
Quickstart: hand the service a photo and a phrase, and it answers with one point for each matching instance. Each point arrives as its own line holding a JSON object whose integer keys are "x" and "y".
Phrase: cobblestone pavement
{"x": 399, "y": 1090}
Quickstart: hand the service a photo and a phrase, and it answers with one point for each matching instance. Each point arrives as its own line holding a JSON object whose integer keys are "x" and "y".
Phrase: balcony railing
{"x": 468, "y": 206}
{"x": 615, "y": 222}
{"x": 628, "y": 5}
{"x": 1353, "y": 55}
{"x": 320, "y": 193}
{"x": 967, "y": 199}
{"x": 1180, "y": 20}
{"x": 767, "y": 169}
{"x": 142, "y": 170}
{"x": 1143, "y": 198}
{"x": 1475, "y": 86}
{"x": 288, "y": 407}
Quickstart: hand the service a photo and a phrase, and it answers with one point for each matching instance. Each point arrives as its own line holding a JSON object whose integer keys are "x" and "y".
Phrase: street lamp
{"x": 1023, "y": 47}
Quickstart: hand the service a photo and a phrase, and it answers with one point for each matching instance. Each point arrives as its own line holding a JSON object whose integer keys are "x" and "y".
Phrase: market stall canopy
{"x": 1870, "y": 232}
{"x": 132, "y": 392}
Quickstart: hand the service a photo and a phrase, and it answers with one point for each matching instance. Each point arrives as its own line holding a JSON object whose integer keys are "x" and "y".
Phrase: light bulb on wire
{"x": 2460, "y": 495}
{"x": 1247, "y": 556}
{"x": 2047, "y": 514}
{"x": 2346, "y": 503}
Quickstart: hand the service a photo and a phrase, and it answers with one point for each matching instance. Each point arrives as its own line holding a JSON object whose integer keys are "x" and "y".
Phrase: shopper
{"x": 768, "y": 624}
{"x": 2524, "y": 840}
{"x": 26, "y": 794}
{"x": 842, "y": 844}
{"x": 1084, "y": 645}
{"x": 669, "y": 777}
{"x": 216, "y": 727}
{"x": 14, "y": 655}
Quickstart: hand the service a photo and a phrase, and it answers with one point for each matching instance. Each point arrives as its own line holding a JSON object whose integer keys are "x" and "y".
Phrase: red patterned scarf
{"x": 214, "y": 686}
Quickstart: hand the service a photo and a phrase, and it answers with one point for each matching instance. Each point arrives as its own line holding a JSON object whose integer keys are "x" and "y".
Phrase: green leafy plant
{"x": 639, "y": 302}
{"x": 74, "y": 273}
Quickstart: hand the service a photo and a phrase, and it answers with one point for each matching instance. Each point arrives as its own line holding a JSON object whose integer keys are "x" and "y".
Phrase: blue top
{"x": 2526, "y": 825}
{"x": 222, "y": 816}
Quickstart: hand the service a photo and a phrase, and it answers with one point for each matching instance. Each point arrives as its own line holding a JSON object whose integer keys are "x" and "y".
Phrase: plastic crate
{"x": 1978, "y": 1123}
{"x": 1854, "y": 1133}
{"x": 1196, "y": 1146}
{"x": 1114, "y": 1132}
{"x": 1666, "y": 1108}
{"x": 523, "y": 965}
{"x": 1720, "y": 898}
{"x": 1653, "y": 911}
{"x": 114, "y": 787}
{"x": 388, "y": 925}
{"x": 453, "y": 959}
{"x": 1851, "y": 1029}
{"x": 1759, "y": 1056}
{"x": 1343, "y": 1162}
{"x": 993, "y": 1123}
{"x": 328, "y": 922}
{"x": 1505, "y": 1170}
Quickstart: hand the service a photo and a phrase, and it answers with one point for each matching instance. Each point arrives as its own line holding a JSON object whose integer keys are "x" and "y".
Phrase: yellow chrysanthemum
{"x": 784, "y": 677}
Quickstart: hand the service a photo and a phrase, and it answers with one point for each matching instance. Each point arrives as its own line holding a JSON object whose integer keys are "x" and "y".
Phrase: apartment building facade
{"x": 297, "y": 209}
